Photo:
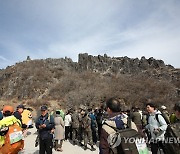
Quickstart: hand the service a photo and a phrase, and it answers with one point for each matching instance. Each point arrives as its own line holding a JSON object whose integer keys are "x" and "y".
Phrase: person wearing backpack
{"x": 157, "y": 127}
{"x": 173, "y": 133}
{"x": 11, "y": 141}
{"x": 116, "y": 121}
{"x": 45, "y": 125}
{"x": 136, "y": 118}
{"x": 165, "y": 114}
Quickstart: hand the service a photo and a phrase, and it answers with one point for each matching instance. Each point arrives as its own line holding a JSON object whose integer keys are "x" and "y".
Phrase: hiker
{"x": 1, "y": 115}
{"x": 53, "y": 112}
{"x": 67, "y": 122}
{"x": 10, "y": 126}
{"x": 177, "y": 112}
{"x": 18, "y": 114}
{"x": 157, "y": 127}
{"x": 45, "y": 126}
{"x": 80, "y": 129}
{"x": 87, "y": 132}
{"x": 99, "y": 119}
{"x": 59, "y": 131}
{"x": 165, "y": 113}
{"x": 136, "y": 118}
{"x": 75, "y": 127}
{"x": 173, "y": 134}
{"x": 116, "y": 120}
{"x": 93, "y": 126}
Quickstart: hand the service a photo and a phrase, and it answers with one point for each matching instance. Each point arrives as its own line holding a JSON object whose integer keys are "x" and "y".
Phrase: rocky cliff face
{"x": 125, "y": 65}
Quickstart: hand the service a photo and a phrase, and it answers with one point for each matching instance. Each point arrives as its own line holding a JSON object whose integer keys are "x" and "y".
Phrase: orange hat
{"x": 8, "y": 108}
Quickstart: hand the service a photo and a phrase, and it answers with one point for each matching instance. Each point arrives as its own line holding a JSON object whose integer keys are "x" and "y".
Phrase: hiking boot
{"x": 85, "y": 147}
{"x": 74, "y": 143}
{"x": 92, "y": 148}
{"x": 59, "y": 149}
{"x": 36, "y": 144}
{"x": 80, "y": 144}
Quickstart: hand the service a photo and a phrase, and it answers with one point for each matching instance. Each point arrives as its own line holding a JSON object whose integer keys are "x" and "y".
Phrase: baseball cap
{"x": 163, "y": 107}
{"x": 8, "y": 108}
{"x": 43, "y": 108}
{"x": 20, "y": 106}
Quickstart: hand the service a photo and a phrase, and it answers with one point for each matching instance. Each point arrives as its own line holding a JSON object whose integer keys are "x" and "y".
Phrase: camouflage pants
{"x": 75, "y": 134}
{"x": 87, "y": 136}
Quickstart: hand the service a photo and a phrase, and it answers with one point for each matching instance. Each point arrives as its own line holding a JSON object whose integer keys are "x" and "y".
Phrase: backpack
{"x": 172, "y": 136}
{"x": 123, "y": 140}
{"x": 157, "y": 118}
{"x": 13, "y": 140}
{"x": 166, "y": 117}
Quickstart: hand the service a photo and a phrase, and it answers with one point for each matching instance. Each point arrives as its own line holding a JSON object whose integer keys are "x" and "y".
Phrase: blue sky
{"x": 58, "y": 28}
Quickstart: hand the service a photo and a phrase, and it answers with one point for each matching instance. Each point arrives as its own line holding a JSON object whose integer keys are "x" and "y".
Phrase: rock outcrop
{"x": 125, "y": 65}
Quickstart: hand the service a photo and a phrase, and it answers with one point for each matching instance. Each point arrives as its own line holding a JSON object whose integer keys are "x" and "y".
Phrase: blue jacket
{"x": 45, "y": 133}
{"x": 93, "y": 120}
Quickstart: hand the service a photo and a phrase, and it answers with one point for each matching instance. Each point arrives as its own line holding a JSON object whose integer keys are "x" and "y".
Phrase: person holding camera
{"x": 45, "y": 125}
{"x": 157, "y": 126}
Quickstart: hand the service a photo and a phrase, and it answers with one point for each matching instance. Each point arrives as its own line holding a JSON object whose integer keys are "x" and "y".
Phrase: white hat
{"x": 163, "y": 107}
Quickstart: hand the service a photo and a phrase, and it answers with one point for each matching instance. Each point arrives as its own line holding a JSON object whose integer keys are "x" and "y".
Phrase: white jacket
{"x": 67, "y": 120}
{"x": 154, "y": 124}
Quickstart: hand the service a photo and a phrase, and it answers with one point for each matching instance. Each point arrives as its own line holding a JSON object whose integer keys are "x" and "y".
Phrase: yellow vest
{"x": 5, "y": 122}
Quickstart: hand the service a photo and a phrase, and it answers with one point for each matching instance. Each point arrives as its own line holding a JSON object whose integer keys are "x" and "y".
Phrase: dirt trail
{"x": 68, "y": 148}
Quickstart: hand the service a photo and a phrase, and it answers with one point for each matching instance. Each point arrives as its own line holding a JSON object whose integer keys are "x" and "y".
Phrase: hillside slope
{"x": 91, "y": 80}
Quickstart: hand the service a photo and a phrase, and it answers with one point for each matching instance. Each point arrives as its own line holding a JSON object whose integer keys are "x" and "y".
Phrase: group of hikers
{"x": 116, "y": 131}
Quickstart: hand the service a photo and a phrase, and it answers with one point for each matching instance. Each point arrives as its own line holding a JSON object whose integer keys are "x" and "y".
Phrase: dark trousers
{"x": 80, "y": 134}
{"x": 94, "y": 134}
{"x": 68, "y": 132}
{"x": 156, "y": 146}
{"x": 45, "y": 145}
{"x": 99, "y": 130}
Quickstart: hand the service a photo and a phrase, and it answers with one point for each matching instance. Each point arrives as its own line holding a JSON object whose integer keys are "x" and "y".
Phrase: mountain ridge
{"x": 68, "y": 81}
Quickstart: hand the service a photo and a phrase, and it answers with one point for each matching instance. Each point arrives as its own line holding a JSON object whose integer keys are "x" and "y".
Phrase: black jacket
{"x": 19, "y": 116}
{"x": 45, "y": 133}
